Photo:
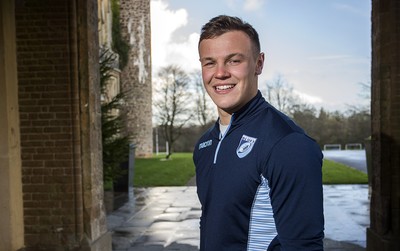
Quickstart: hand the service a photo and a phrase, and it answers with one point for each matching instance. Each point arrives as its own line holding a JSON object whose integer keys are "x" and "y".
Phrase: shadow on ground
{"x": 332, "y": 245}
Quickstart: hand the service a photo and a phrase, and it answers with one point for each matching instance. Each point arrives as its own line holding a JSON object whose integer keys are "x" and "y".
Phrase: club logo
{"x": 245, "y": 146}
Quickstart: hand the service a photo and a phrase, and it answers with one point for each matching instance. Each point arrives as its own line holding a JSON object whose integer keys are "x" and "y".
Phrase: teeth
{"x": 224, "y": 87}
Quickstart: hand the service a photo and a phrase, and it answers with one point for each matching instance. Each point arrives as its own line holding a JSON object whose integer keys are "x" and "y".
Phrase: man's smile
{"x": 223, "y": 87}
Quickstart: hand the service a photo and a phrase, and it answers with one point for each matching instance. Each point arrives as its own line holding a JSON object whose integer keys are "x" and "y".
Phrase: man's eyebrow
{"x": 226, "y": 58}
{"x": 234, "y": 55}
{"x": 207, "y": 59}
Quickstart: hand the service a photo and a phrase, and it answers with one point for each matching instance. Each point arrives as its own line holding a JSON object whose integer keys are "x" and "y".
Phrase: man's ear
{"x": 260, "y": 63}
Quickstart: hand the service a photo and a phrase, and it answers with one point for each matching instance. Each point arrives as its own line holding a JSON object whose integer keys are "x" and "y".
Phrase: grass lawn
{"x": 336, "y": 173}
{"x": 179, "y": 169}
{"x": 157, "y": 171}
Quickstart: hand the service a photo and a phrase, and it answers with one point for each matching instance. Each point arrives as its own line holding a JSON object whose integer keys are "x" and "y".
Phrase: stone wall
{"x": 11, "y": 210}
{"x": 136, "y": 76}
{"x": 104, "y": 22}
{"x": 384, "y": 231}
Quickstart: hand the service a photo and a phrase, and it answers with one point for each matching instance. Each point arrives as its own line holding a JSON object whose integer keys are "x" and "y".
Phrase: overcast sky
{"x": 322, "y": 48}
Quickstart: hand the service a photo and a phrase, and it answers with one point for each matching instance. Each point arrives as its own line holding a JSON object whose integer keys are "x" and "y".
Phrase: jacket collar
{"x": 243, "y": 114}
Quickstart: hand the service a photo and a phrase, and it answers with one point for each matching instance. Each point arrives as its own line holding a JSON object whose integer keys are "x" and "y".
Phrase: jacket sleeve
{"x": 294, "y": 173}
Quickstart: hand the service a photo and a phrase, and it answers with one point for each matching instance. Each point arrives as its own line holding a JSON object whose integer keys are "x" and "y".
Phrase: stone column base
{"x": 104, "y": 243}
{"x": 377, "y": 242}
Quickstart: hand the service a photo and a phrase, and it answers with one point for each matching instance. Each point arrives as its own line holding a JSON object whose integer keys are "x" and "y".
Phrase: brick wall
{"x": 136, "y": 76}
{"x": 46, "y": 120}
{"x": 59, "y": 101}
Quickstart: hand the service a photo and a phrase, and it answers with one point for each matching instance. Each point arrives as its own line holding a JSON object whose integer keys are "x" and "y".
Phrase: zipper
{"x": 221, "y": 138}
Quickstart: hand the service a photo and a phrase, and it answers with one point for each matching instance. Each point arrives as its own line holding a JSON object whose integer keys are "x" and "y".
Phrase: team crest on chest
{"x": 245, "y": 146}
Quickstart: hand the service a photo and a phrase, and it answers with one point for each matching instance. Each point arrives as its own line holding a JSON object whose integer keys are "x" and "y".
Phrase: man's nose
{"x": 222, "y": 71}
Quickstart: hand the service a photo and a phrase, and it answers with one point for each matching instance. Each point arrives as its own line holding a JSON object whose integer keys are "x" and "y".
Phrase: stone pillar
{"x": 384, "y": 231}
{"x": 136, "y": 75}
{"x": 59, "y": 100}
{"x": 95, "y": 237}
{"x": 11, "y": 211}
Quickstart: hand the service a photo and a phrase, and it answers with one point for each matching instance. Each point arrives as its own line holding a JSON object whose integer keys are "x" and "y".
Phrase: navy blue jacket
{"x": 260, "y": 184}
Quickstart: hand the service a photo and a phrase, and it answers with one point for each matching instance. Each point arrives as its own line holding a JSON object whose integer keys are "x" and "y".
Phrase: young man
{"x": 258, "y": 174}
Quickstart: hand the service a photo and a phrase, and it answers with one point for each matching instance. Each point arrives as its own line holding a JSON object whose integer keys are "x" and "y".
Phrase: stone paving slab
{"x": 167, "y": 218}
{"x": 346, "y": 210}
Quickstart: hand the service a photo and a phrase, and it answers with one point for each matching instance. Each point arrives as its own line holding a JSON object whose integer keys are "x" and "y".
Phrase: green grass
{"x": 336, "y": 173}
{"x": 157, "y": 171}
{"x": 176, "y": 172}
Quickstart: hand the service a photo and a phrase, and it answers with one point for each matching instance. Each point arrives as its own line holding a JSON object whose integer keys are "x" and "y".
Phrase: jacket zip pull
{"x": 221, "y": 138}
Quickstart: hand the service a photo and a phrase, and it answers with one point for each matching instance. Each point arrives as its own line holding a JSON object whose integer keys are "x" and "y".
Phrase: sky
{"x": 321, "y": 48}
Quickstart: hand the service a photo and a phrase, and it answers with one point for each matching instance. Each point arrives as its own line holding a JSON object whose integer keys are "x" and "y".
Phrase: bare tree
{"x": 365, "y": 94}
{"x": 204, "y": 112}
{"x": 172, "y": 103}
{"x": 280, "y": 94}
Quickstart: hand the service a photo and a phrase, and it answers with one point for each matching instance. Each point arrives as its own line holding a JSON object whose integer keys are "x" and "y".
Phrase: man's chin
{"x": 228, "y": 109}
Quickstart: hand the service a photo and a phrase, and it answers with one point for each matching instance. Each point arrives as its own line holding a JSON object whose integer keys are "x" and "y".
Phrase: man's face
{"x": 230, "y": 70}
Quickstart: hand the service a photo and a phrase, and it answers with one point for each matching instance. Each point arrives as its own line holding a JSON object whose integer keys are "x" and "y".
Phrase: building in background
{"x": 136, "y": 78}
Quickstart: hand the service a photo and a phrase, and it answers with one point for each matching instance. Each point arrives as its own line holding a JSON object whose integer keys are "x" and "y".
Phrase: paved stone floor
{"x": 167, "y": 218}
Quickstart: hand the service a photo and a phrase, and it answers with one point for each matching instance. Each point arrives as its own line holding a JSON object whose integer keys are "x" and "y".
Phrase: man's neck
{"x": 224, "y": 117}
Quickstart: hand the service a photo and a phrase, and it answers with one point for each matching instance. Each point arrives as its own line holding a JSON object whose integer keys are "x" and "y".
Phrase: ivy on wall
{"x": 119, "y": 45}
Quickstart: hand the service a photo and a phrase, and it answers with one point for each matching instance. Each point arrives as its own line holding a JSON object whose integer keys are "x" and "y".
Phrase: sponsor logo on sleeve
{"x": 205, "y": 144}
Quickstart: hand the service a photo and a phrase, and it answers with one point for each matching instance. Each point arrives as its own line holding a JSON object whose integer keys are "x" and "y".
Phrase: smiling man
{"x": 258, "y": 174}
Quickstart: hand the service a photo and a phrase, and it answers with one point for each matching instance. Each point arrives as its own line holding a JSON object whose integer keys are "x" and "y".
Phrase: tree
{"x": 305, "y": 116}
{"x": 331, "y": 128}
{"x": 204, "y": 113}
{"x": 280, "y": 95}
{"x": 172, "y": 103}
{"x": 358, "y": 125}
{"x": 366, "y": 95}
{"x": 115, "y": 146}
